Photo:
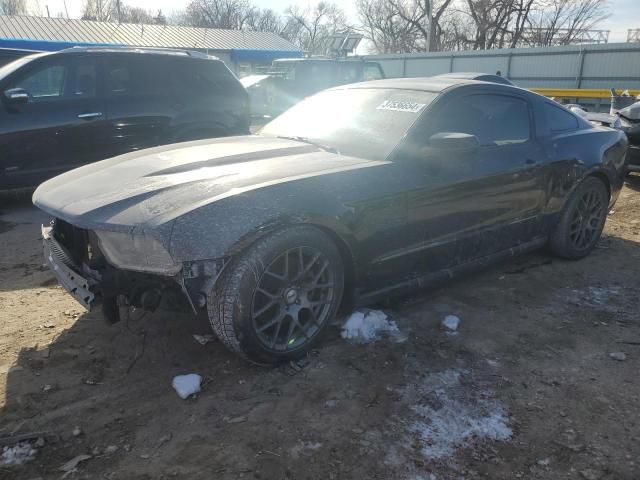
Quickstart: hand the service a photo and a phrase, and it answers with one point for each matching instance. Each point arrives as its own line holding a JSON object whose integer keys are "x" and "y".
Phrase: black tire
{"x": 581, "y": 221}
{"x": 265, "y": 289}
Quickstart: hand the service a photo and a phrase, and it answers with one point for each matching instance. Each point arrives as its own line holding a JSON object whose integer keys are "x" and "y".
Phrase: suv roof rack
{"x": 131, "y": 49}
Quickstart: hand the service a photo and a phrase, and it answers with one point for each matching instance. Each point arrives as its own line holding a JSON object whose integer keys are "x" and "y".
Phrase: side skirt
{"x": 430, "y": 279}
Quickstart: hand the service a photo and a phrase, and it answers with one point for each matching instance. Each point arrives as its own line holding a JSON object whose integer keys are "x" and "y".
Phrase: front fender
{"x": 226, "y": 227}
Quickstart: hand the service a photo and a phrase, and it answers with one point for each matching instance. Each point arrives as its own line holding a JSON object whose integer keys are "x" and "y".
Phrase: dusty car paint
{"x": 398, "y": 222}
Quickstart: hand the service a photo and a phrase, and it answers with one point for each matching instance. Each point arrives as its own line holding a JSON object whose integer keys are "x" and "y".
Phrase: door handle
{"x": 530, "y": 161}
{"x": 88, "y": 116}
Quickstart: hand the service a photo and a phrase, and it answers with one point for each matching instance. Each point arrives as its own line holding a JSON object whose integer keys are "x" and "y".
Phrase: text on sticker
{"x": 399, "y": 106}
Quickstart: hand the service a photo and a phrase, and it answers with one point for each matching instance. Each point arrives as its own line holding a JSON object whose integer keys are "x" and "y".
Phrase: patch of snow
{"x": 186, "y": 385}
{"x": 619, "y": 356}
{"x": 331, "y": 403}
{"x": 364, "y": 326}
{"x": 203, "y": 339}
{"x": 18, "y": 454}
{"x": 305, "y": 449}
{"x": 451, "y": 323}
{"x": 452, "y": 413}
{"x": 601, "y": 298}
{"x": 72, "y": 465}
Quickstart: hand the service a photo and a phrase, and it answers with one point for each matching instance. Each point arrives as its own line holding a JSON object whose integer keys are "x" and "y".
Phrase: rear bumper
{"x": 66, "y": 271}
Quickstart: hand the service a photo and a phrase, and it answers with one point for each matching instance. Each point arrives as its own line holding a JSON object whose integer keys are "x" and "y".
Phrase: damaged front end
{"x": 115, "y": 269}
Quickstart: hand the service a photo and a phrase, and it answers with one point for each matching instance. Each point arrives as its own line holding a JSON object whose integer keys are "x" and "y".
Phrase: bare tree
{"x": 457, "y": 31}
{"x": 384, "y": 28}
{"x": 522, "y": 11}
{"x": 490, "y": 18}
{"x": 424, "y": 16}
{"x": 135, "y": 15}
{"x": 561, "y": 22}
{"x": 226, "y": 14}
{"x": 310, "y": 28}
{"x": 116, "y": 11}
{"x": 13, "y": 7}
{"x": 160, "y": 19}
{"x": 265, "y": 20}
{"x": 100, "y": 10}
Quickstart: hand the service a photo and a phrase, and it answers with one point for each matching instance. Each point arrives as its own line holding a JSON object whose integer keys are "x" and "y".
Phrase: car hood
{"x": 145, "y": 189}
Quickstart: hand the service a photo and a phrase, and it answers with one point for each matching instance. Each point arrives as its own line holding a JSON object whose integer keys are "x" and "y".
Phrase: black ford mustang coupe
{"x": 356, "y": 193}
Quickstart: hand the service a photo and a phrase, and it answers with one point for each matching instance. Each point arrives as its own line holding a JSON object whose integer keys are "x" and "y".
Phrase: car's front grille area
{"x": 60, "y": 253}
{"x": 74, "y": 240}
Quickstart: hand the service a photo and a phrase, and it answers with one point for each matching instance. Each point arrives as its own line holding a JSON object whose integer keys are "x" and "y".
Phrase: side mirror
{"x": 16, "y": 96}
{"x": 453, "y": 142}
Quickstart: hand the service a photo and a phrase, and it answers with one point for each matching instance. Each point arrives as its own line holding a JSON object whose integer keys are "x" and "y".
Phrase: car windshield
{"x": 360, "y": 122}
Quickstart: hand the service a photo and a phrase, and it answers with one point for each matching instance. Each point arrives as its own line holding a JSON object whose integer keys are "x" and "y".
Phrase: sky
{"x": 625, "y": 14}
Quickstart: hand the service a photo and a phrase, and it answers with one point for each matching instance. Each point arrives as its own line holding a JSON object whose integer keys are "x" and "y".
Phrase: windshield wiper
{"x": 326, "y": 148}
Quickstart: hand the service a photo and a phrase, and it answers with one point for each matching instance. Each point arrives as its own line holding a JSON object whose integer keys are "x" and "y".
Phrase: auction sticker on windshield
{"x": 401, "y": 106}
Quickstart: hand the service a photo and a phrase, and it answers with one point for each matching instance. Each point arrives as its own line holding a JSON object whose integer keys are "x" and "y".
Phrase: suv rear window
{"x": 137, "y": 74}
{"x": 204, "y": 77}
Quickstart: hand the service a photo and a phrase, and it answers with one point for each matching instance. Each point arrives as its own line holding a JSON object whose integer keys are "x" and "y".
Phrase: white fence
{"x": 614, "y": 65}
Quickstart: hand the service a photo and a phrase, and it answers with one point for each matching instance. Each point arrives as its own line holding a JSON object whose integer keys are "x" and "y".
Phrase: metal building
{"x": 243, "y": 51}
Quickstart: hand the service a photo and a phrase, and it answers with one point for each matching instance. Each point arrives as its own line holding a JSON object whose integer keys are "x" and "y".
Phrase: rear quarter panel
{"x": 575, "y": 155}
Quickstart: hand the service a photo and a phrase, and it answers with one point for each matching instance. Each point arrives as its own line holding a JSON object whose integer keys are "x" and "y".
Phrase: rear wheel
{"x": 273, "y": 303}
{"x": 582, "y": 220}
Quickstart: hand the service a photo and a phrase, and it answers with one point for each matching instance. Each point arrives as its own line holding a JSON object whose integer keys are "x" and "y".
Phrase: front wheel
{"x": 274, "y": 301}
{"x": 581, "y": 221}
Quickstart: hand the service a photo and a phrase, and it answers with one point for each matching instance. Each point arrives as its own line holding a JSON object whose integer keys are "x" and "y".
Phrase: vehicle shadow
{"x": 633, "y": 181}
{"x": 21, "y": 260}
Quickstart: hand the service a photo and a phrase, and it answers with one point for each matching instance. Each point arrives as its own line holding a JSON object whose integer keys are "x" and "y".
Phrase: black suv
{"x": 10, "y": 54}
{"x": 65, "y": 109}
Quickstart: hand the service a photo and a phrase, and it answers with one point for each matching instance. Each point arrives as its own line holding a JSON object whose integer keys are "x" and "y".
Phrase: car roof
{"x": 485, "y": 77}
{"x": 426, "y": 84}
{"x": 307, "y": 59}
{"x": 137, "y": 50}
{"x": 18, "y": 50}
{"x": 320, "y": 60}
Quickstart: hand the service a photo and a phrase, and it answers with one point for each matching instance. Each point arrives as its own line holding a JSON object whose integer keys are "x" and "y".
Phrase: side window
{"x": 46, "y": 83}
{"x": 316, "y": 75}
{"x": 84, "y": 78}
{"x": 136, "y": 75}
{"x": 372, "y": 71}
{"x": 204, "y": 78}
{"x": 118, "y": 76}
{"x": 494, "y": 119}
{"x": 559, "y": 119}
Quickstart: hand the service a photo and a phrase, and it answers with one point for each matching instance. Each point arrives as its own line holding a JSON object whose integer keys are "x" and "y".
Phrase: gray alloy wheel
{"x": 275, "y": 300}
{"x": 293, "y": 298}
{"x": 582, "y": 221}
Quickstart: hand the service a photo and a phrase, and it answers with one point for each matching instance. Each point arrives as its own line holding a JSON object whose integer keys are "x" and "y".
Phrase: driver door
{"x": 61, "y": 126}
{"x": 477, "y": 203}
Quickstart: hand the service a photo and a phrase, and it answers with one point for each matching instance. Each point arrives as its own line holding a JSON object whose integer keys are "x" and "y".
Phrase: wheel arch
{"x": 600, "y": 175}
{"x": 337, "y": 232}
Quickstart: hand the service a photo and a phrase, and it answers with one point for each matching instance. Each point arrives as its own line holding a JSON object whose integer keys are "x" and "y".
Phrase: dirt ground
{"x": 527, "y": 387}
